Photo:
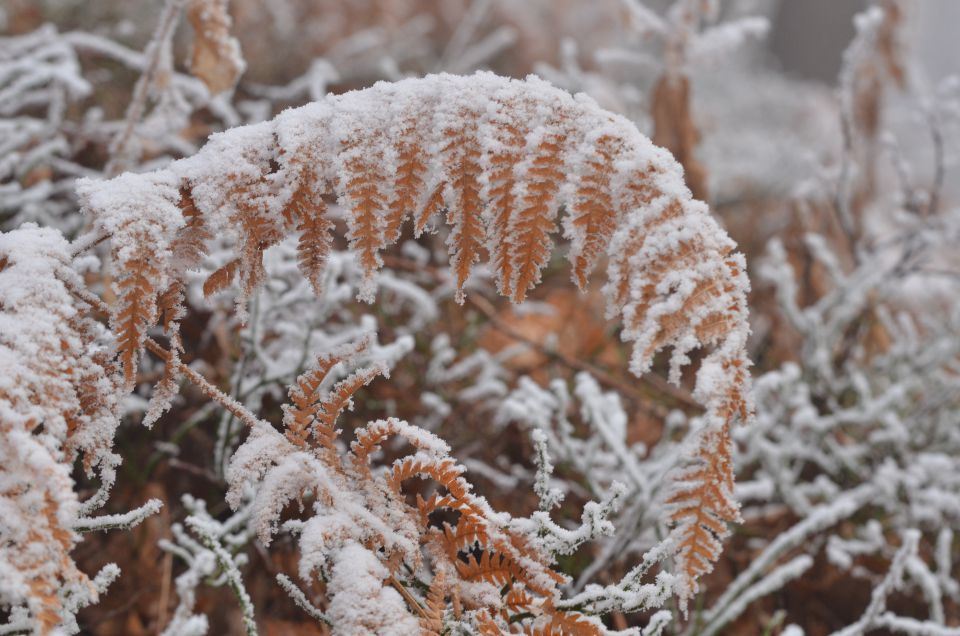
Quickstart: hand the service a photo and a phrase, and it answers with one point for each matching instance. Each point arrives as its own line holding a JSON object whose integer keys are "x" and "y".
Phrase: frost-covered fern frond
{"x": 499, "y": 159}
{"x": 58, "y": 403}
{"x": 376, "y": 536}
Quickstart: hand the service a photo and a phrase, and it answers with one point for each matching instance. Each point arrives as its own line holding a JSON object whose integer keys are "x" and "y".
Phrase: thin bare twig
{"x": 407, "y": 596}
{"x": 86, "y": 242}
{"x": 119, "y": 149}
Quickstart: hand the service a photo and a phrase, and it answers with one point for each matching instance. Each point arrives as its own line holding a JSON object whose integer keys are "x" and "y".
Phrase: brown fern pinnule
{"x": 221, "y": 278}
{"x": 530, "y": 245}
{"x": 362, "y": 195}
{"x": 509, "y": 136}
{"x": 137, "y": 310}
{"x": 368, "y": 439}
{"x": 703, "y": 507}
{"x": 190, "y": 244}
{"x": 464, "y": 205}
{"x": 258, "y": 232}
{"x": 305, "y": 398}
{"x": 307, "y": 213}
{"x": 313, "y": 246}
{"x": 170, "y": 306}
{"x": 635, "y": 243}
{"x": 592, "y": 210}
{"x": 408, "y": 182}
{"x": 432, "y": 621}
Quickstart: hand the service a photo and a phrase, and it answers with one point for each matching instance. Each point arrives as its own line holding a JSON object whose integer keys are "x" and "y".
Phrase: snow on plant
{"x": 58, "y": 403}
{"x": 498, "y": 159}
{"x": 237, "y": 269}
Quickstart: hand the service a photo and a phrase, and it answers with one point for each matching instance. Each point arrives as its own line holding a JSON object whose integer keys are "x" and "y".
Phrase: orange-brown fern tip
{"x": 509, "y": 166}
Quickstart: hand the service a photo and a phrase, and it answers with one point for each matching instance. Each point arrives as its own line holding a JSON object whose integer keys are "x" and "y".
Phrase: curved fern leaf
{"x": 499, "y": 160}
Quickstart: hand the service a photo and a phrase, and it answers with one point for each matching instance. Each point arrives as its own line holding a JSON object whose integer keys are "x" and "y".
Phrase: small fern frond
{"x": 489, "y": 567}
{"x": 306, "y": 213}
{"x": 535, "y": 219}
{"x": 369, "y": 438}
{"x": 432, "y": 620}
{"x": 313, "y": 412}
{"x": 340, "y": 396}
{"x": 443, "y": 470}
{"x": 221, "y": 278}
{"x": 462, "y": 156}
{"x": 58, "y": 398}
{"x": 304, "y": 394}
{"x": 566, "y": 624}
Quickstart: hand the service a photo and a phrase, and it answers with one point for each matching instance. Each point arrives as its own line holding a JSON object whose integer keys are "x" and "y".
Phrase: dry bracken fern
{"x": 58, "y": 402}
{"x": 499, "y": 160}
{"x": 366, "y": 513}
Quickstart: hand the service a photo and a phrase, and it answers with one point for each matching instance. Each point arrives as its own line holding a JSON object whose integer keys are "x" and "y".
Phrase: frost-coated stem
{"x": 893, "y": 581}
{"x": 769, "y": 584}
{"x": 119, "y": 149}
{"x": 230, "y": 571}
{"x": 819, "y": 518}
{"x": 123, "y": 521}
{"x": 298, "y": 597}
{"x": 208, "y": 389}
{"x": 658, "y": 622}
